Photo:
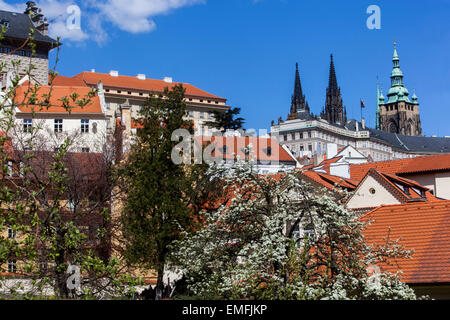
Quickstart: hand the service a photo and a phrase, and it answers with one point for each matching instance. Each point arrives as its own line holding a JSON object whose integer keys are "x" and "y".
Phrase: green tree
{"x": 224, "y": 121}
{"x": 54, "y": 213}
{"x": 254, "y": 247}
{"x": 157, "y": 191}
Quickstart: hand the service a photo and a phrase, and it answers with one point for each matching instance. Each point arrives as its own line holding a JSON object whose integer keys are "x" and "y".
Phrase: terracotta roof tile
{"x": 128, "y": 82}
{"x": 422, "y": 226}
{"x": 56, "y": 105}
{"x": 403, "y": 166}
{"x": 328, "y": 181}
{"x": 260, "y": 148}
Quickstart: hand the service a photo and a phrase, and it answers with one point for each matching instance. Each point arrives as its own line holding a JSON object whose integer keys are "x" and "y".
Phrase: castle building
{"x": 307, "y": 135}
{"x": 16, "y": 45}
{"x": 334, "y": 111}
{"x": 126, "y": 94}
{"x": 399, "y": 114}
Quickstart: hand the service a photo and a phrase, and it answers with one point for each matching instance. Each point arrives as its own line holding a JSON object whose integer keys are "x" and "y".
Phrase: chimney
{"x": 357, "y": 126}
{"x": 141, "y": 76}
{"x": 331, "y": 150}
{"x": 37, "y": 18}
{"x": 168, "y": 79}
{"x": 114, "y": 73}
{"x": 125, "y": 116}
{"x": 363, "y": 123}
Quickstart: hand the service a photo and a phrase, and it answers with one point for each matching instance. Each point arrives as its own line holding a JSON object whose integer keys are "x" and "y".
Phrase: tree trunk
{"x": 160, "y": 284}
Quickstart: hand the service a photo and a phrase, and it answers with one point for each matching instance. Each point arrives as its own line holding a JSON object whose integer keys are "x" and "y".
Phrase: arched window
{"x": 392, "y": 127}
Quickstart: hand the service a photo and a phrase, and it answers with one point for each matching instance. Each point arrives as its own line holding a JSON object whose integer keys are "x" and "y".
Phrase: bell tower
{"x": 399, "y": 114}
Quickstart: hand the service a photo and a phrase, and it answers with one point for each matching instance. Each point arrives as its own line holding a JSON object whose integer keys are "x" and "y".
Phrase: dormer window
{"x": 406, "y": 190}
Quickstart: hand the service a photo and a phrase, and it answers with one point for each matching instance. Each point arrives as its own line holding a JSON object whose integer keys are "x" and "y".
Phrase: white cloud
{"x": 134, "y": 16}
{"x": 12, "y": 7}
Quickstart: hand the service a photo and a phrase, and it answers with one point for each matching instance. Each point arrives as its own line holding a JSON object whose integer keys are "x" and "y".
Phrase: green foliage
{"x": 157, "y": 190}
{"x": 249, "y": 247}
{"x": 227, "y": 120}
{"x": 34, "y": 192}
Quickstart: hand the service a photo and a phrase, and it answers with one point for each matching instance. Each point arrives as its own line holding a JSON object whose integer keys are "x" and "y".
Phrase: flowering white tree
{"x": 255, "y": 246}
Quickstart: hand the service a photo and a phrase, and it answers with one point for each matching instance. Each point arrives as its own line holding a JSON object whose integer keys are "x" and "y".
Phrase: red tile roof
{"x": 329, "y": 181}
{"x": 128, "y": 82}
{"x": 422, "y": 226}
{"x": 23, "y": 95}
{"x": 325, "y": 164}
{"x": 235, "y": 146}
{"x": 403, "y": 166}
{"x": 396, "y": 185}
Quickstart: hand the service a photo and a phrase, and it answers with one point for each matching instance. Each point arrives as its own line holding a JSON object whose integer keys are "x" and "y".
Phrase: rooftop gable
{"x": 432, "y": 163}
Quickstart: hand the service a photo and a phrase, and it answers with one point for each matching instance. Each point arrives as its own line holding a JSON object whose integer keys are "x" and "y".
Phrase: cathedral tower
{"x": 299, "y": 106}
{"x": 399, "y": 114}
{"x": 334, "y": 111}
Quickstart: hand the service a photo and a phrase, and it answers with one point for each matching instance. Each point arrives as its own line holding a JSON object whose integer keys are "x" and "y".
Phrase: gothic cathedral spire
{"x": 298, "y": 102}
{"x": 334, "y": 111}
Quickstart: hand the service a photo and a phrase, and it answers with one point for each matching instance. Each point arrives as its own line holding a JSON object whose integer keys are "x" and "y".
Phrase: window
{"x": 372, "y": 190}
{"x": 309, "y": 134}
{"x": 296, "y": 236}
{"x": 85, "y": 125}
{"x": 293, "y": 136}
{"x": 309, "y": 147}
{"x": 11, "y": 233}
{"x": 301, "y": 135}
{"x": 406, "y": 190}
{"x": 10, "y": 168}
{"x": 202, "y": 115}
{"x": 285, "y": 137}
{"x": 269, "y": 151}
{"x": 27, "y": 125}
{"x": 224, "y": 149}
{"x": 58, "y": 125}
{"x": 12, "y": 267}
{"x": 71, "y": 205}
{"x": 308, "y": 232}
{"x": 85, "y": 150}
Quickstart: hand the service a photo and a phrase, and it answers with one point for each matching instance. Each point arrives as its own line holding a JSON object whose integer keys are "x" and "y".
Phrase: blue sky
{"x": 246, "y": 50}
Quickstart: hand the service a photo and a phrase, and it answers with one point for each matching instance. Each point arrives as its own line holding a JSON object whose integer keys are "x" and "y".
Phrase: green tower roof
{"x": 397, "y": 92}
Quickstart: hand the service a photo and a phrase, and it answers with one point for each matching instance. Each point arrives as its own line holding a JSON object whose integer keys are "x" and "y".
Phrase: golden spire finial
{"x": 395, "y": 43}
